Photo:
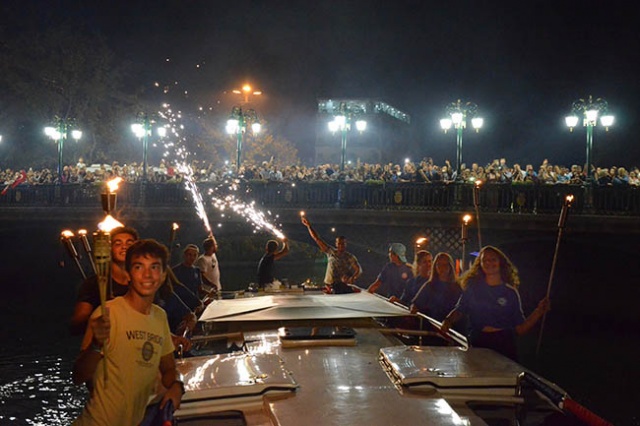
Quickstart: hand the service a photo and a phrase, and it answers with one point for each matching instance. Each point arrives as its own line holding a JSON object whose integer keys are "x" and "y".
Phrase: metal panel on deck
{"x": 233, "y": 375}
{"x": 447, "y": 368}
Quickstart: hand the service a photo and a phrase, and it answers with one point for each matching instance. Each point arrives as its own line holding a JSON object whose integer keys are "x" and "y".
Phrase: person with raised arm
{"x": 343, "y": 268}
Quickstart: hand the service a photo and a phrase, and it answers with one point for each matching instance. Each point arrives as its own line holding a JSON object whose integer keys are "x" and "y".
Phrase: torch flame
{"x": 108, "y": 224}
{"x": 301, "y": 213}
{"x": 67, "y": 234}
{"x": 569, "y": 199}
{"x": 113, "y": 184}
{"x": 421, "y": 241}
{"x": 466, "y": 219}
{"x": 478, "y": 183}
{"x": 175, "y": 226}
{"x": 82, "y": 232}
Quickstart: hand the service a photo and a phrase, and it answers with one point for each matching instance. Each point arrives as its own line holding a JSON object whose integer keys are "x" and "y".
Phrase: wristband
{"x": 181, "y": 385}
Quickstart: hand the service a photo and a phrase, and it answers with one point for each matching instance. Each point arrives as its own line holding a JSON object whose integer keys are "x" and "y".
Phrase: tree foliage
{"x": 61, "y": 72}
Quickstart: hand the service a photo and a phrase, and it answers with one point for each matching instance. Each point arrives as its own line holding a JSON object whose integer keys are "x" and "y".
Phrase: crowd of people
{"x": 149, "y": 309}
{"x": 425, "y": 171}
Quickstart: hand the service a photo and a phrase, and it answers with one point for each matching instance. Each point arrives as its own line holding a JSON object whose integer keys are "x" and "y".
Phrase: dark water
{"x": 588, "y": 346}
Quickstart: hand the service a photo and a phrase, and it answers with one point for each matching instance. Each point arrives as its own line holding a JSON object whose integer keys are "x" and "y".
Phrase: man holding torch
{"x": 342, "y": 267}
{"x": 135, "y": 335}
{"x": 89, "y": 295}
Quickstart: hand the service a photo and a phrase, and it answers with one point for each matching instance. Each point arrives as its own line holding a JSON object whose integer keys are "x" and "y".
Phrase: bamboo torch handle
{"x": 102, "y": 260}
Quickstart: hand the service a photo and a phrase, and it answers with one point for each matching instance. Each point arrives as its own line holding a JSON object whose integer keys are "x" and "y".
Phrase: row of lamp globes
{"x": 142, "y": 130}
{"x": 590, "y": 110}
{"x": 237, "y": 125}
{"x": 62, "y": 130}
{"x": 458, "y": 112}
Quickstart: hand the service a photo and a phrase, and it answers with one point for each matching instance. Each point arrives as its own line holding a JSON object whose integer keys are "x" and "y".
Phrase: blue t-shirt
{"x": 394, "y": 279}
{"x": 495, "y": 306}
{"x": 437, "y": 298}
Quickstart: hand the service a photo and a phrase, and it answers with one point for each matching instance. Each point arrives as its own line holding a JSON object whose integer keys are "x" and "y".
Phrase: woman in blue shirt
{"x": 492, "y": 304}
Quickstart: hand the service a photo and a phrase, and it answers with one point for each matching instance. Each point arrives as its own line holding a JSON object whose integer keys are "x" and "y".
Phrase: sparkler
{"x": 223, "y": 202}
{"x": 562, "y": 221}
{"x": 66, "y": 237}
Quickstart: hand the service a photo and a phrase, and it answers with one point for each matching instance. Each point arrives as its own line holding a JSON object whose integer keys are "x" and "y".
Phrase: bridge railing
{"x": 500, "y": 198}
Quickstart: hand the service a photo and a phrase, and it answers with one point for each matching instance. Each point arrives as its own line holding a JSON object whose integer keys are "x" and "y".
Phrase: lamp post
{"x": 247, "y": 91}
{"x": 457, "y": 113}
{"x": 237, "y": 125}
{"x": 62, "y": 129}
{"x": 342, "y": 122}
{"x": 142, "y": 130}
{"x": 590, "y": 110}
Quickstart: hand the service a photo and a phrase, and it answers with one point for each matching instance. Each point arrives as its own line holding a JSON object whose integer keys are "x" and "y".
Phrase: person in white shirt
{"x": 208, "y": 265}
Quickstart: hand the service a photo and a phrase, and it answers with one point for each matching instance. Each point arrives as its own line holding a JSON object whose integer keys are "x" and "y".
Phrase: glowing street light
{"x": 62, "y": 129}
{"x": 458, "y": 113}
{"x": 237, "y": 125}
{"x": 247, "y": 91}
{"x": 342, "y": 122}
{"x": 142, "y": 130}
{"x": 590, "y": 110}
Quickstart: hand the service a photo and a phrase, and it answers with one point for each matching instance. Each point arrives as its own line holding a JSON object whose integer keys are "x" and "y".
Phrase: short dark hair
{"x": 272, "y": 245}
{"x": 125, "y": 230}
{"x": 148, "y": 247}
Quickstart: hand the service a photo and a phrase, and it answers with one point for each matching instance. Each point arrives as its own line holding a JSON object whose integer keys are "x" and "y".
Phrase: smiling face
{"x": 490, "y": 263}
{"x": 119, "y": 245}
{"x": 147, "y": 275}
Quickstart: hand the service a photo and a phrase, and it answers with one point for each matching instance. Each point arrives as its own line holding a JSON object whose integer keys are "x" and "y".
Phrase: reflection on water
{"x": 38, "y": 391}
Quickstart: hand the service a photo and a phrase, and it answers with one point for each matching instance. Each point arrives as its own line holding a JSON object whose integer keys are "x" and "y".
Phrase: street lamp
{"x": 342, "y": 122}
{"x": 458, "y": 113}
{"x": 237, "y": 125}
{"x": 142, "y": 130}
{"x": 246, "y": 91}
{"x": 62, "y": 129}
{"x": 590, "y": 111}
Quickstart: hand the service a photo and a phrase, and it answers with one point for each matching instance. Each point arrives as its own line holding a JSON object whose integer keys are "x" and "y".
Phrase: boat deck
{"x": 337, "y": 385}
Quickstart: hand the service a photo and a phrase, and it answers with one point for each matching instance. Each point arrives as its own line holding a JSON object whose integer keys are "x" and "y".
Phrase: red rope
{"x": 584, "y": 414}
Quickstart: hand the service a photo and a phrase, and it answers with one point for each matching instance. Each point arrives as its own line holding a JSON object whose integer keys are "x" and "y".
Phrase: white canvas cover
{"x": 301, "y": 307}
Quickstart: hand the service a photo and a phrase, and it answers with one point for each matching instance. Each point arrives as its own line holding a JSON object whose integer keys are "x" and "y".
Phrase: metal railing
{"x": 496, "y": 198}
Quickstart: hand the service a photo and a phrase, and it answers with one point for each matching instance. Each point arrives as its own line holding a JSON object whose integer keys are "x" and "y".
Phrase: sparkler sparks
{"x": 222, "y": 202}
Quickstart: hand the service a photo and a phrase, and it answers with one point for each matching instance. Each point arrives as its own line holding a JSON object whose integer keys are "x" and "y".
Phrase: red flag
{"x": 16, "y": 182}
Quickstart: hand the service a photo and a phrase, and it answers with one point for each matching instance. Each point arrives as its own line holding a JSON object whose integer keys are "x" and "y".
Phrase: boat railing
{"x": 560, "y": 399}
{"x": 452, "y": 336}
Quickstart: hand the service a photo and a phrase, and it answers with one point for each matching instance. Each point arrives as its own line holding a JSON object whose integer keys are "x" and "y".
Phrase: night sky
{"x": 523, "y": 63}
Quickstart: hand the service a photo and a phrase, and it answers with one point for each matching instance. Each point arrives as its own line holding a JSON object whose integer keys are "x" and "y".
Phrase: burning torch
{"x": 102, "y": 249}
{"x": 463, "y": 239}
{"x": 66, "y": 238}
{"x": 476, "y": 203}
{"x": 562, "y": 222}
{"x": 82, "y": 234}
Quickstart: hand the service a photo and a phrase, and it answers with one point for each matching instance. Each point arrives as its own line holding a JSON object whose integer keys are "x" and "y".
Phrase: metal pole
{"x": 239, "y": 144}
{"x": 61, "y": 132}
{"x": 145, "y": 143}
{"x": 344, "y": 149}
{"x": 459, "y": 150}
{"x": 589, "y": 148}
{"x": 562, "y": 221}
